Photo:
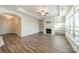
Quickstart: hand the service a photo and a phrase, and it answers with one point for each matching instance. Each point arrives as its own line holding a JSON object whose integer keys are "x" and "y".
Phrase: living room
{"x": 39, "y": 28}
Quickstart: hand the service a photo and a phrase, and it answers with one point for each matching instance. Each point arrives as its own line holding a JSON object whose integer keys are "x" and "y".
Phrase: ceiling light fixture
{"x": 42, "y": 12}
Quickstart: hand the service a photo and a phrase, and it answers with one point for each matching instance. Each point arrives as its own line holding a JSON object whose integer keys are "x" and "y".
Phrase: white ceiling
{"x": 52, "y": 9}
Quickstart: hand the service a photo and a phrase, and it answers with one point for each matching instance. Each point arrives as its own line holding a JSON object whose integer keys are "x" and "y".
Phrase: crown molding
{"x": 28, "y": 13}
{"x": 20, "y": 10}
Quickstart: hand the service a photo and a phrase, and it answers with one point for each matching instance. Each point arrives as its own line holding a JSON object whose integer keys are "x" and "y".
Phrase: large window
{"x": 74, "y": 25}
{"x": 71, "y": 21}
{"x": 77, "y": 24}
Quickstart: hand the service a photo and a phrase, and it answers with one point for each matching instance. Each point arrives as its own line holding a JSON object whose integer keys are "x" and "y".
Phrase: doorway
{"x": 10, "y": 23}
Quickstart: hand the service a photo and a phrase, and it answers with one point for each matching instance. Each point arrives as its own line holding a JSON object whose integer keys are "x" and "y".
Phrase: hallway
{"x": 36, "y": 43}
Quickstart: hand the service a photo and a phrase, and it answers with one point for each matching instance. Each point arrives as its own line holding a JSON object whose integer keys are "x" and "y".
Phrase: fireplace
{"x": 48, "y": 26}
{"x": 48, "y": 31}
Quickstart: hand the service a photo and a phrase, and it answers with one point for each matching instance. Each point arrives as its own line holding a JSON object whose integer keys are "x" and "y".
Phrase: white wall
{"x": 59, "y": 25}
{"x": 41, "y": 25}
{"x": 29, "y": 24}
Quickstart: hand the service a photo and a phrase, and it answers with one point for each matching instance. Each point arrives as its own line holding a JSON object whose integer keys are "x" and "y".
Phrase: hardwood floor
{"x": 36, "y": 43}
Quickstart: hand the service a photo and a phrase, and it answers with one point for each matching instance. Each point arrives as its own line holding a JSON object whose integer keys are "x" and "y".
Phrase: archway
{"x": 10, "y": 23}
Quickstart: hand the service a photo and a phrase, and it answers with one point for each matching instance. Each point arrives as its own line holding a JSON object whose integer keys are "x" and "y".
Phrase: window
{"x": 71, "y": 26}
{"x": 77, "y": 24}
{"x": 74, "y": 25}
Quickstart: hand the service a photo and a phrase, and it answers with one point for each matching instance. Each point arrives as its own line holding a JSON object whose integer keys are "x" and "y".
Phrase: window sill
{"x": 74, "y": 39}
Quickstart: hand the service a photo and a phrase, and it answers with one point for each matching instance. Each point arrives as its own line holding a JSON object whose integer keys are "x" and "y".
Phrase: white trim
{"x": 74, "y": 43}
{"x": 28, "y": 13}
{"x": 21, "y": 10}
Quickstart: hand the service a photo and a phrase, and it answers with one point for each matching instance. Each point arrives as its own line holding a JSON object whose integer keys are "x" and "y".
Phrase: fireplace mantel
{"x": 49, "y": 24}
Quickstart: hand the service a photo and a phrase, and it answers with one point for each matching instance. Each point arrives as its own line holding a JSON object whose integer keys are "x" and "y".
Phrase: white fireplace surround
{"x": 49, "y": 27}
{"x": 49, "y": 24}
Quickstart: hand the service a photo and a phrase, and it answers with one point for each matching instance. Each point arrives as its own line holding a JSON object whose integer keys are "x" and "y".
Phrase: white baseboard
{"x": 73, "y": 43}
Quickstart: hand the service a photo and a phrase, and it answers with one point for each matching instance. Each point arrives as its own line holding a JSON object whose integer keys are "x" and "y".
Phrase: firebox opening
{"x": 48, "y": 31}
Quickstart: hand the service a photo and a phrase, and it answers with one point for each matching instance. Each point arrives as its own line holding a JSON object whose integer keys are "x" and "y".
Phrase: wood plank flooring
{"x": 35, "y": 43}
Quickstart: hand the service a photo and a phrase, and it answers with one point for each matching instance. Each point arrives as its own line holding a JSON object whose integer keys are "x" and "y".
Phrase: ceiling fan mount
{"x": 43, "y": 12}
